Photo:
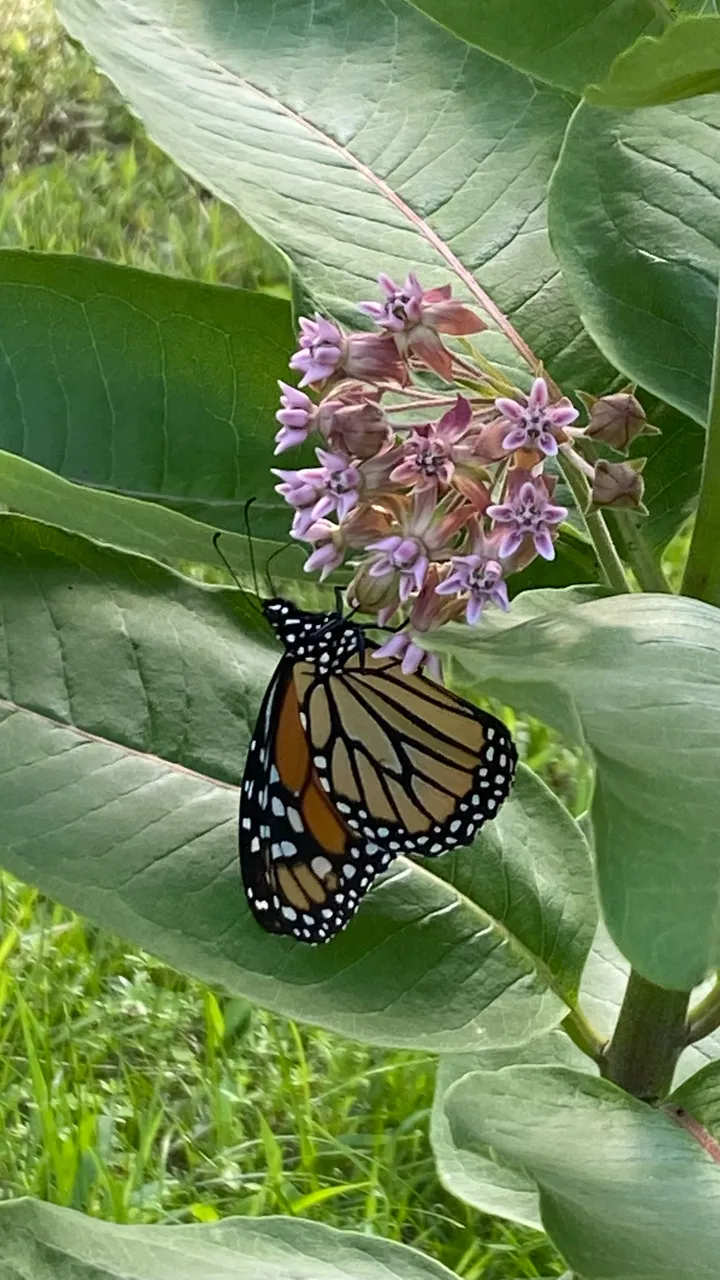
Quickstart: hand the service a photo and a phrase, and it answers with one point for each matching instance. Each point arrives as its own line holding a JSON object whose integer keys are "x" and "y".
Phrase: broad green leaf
{"x": 360, "y": 137}
{"x": 476, "y": 1176}
{"x": 128, "y": 698}
{"x": 143, "y": 386}
{"x": 539, "y": 39}
{"x": 682, "y": 63}
{"x": 535, "y": 876}
{"x": 636, "y": 679}
{"x": 634, "y": 223}
{"x": 44, "y": 1242}
{"x": 132, "y": 523}
{"x": 626, "y": 1194}
{"x": 490, "y": 1182}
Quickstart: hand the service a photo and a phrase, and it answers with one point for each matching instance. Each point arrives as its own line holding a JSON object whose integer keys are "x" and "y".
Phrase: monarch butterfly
{"x": 353, "y": 762}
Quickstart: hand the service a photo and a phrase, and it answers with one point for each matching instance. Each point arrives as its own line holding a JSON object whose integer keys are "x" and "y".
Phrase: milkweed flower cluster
{"x": 435, "y": 494}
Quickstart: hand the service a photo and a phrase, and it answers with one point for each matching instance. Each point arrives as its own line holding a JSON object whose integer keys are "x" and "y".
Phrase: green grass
{"x": 135, "y": 1094}
{"x": 126, "y": 1090}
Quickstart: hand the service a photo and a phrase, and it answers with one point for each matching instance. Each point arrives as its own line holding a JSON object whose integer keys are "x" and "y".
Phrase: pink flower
{"x": 302, "y": 490}
{"x": 536, "y": 424}
{"x": 320, "y": 351}
{"x": 444, "y": 453}
{"x": 295, "y": 416}
{"x": 401, "y": 556}
{"x": 481, "y": 578}
{"x": 431, "y": 451}
{"x": 329, "y": 548}
{"x": 422, "y": 531}
{"x": 317, "y": 492}
{"x": 416, "y": 317}
{"x": 528, "y": 513}
{"x": 402, "y": 645}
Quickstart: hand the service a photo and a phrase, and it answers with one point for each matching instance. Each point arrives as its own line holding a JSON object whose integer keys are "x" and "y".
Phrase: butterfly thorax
{"x": 326, "y": 639}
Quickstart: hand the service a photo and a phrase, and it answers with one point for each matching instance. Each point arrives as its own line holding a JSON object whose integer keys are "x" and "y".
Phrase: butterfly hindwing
{"x": 304, "y": 869}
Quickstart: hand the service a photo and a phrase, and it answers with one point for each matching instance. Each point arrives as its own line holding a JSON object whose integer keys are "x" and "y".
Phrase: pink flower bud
{"x": 616, "y": 419}
{"x": 361, "y": 430}
{"x": 374, "y": 357}
{"x": 619, "y": 484}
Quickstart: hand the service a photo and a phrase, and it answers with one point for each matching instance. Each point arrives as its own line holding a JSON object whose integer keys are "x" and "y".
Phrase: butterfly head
{"x": 325, "y": 638}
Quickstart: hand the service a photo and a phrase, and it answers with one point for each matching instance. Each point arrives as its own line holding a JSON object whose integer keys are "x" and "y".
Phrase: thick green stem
{"x": 642, "y": 561}
{"x": 702, "y": 572}
{"x": 610, "y": 562}
{"x": 650, "y": 1035}
{"x": 705, "y": 1017}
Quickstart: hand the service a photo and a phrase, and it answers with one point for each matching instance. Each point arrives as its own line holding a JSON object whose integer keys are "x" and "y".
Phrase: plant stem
{"x": 650, "y": 1035}
{"x": 610, "y": 562}
{"x": 577, "y": 1027}
{"x": 643, "y": 563}
{"x": 702, "y": 571}
{"x": 705, "y": 1017}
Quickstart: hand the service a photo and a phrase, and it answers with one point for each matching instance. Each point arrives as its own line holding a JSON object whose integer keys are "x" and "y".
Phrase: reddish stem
{"x": 696, "y": 1130}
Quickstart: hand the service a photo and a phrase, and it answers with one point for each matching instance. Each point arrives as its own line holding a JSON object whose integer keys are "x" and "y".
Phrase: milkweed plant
{"x": 499, "y": 438}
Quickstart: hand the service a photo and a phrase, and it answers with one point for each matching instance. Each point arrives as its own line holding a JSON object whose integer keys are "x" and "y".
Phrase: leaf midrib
{"x": 419, "y": 224}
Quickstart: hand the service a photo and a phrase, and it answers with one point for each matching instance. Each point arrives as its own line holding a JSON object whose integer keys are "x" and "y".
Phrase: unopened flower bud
{"x": 616, "y": 419}
{"x": 361, "y": 430}
{"x": 619, "y": 485}
{"x": 371, "y": 594}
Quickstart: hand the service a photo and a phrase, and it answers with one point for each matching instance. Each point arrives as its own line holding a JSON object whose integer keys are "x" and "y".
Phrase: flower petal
{"x": 548, "y": 444}
{"x": 543, "y": 544}
{"x": 475, "y": 606}
{"x": 510, "y": 543}
{"x": 538, "y": 397}
{"x": 515, "y": 439}
{"x": 510, "y": 409}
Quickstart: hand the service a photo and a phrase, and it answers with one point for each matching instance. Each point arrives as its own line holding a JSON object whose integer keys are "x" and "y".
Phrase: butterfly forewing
{"x": 304, "y": 869}
{"x": 409, "y": 765}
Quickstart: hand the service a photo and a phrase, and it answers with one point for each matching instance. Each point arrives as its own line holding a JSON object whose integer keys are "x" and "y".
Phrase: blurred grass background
{"x": 126, "y": 1090}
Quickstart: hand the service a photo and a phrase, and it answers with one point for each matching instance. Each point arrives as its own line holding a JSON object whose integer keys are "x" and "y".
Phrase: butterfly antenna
{"x": 251, "y": 549}
{"x": 250, "y": 599}
{"x": 285, "y": 547}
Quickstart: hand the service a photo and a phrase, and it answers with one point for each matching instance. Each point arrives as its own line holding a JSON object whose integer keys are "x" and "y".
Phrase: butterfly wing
{"x": 409, "y": 766}
{"x": 304, "y": 869}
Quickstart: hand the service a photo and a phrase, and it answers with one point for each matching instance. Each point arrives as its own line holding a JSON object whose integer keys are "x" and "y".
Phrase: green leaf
{"x": 634, "y": 223}
{"x": 143, "y": 386}
{"x": 494, "y": 1184}
{"x": 636, "y": 679}
{"x": 128, "y": 698}
{"x": 360, "y": 137}
{"x": 702, "y": 570}
{"x": 131, "y": 523}
{"x": 534, "y": 875}
{"x": 540, "y": 40}
{"x": 672, "y": 473}
{"x": 44, "y": 1242}
{"x": 682, "y": 63}
{"x": 475, "y": 1176}
{"x": 700, "y": 1096}
{"x": 626, "y": 1194}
